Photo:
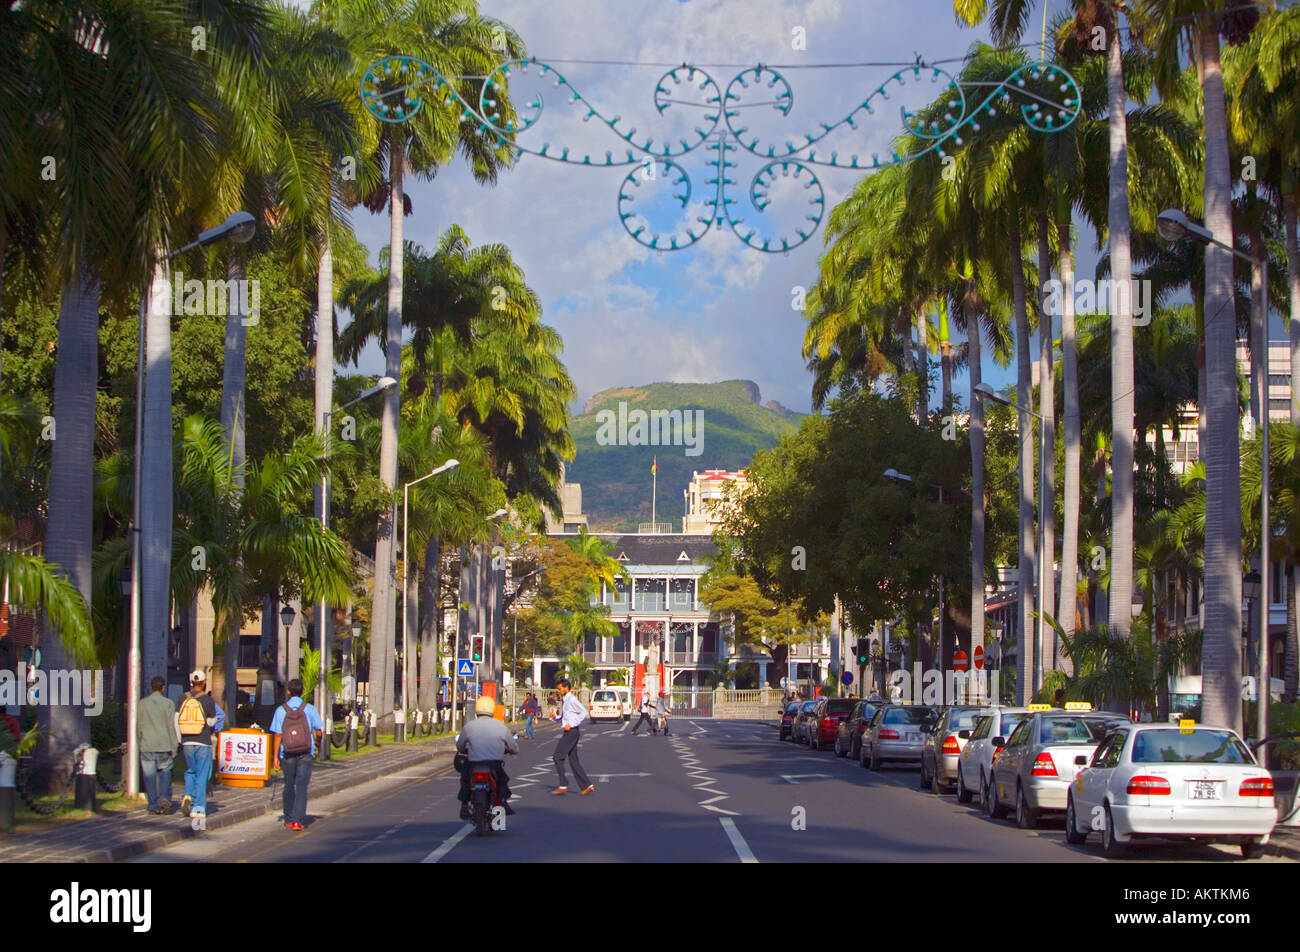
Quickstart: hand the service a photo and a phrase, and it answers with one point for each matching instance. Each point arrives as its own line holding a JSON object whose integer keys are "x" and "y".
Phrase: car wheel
{"x": 839, "y": 748}
{"x": 1073, "y": 835}
{"x": 1026, "y": 818}
{"x": 936, "y": 785}
{"x": 1111, "y": 846}
{"x": 996, "y": 810}
{"x": 922, "y": 782}
{"x": 862, "y": 756}
{"x": 875, "y": 759}
{"x": 963, "y": 795}
{"x": 856, "y": 751}
{"x": 813, "y": 742}
{"x": 984, "y": 795}
{"x": 1251, "y": 849}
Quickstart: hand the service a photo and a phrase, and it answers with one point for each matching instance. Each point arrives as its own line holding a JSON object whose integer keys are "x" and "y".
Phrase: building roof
{"x": 659, "y": 548}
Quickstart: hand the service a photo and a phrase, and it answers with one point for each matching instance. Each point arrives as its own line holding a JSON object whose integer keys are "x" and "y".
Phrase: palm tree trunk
{"x": 1073, "y": 447}
{"x": 431, "y": 613}
{"x": 922, "y": 368}
{"x": 69, "y": 535}
{"x": 156, "y": 482}
{"x": 1291, "y": 665}
{"x": 1025, "y": 435}
{"x": 385, "y": 607}
{"x": 324, "y": 401}
{"x": 1221, "y": 653}
{"x": 1121, "y": 351}
{"x": 1047, "y": 447}
{"x": 233, "y": 389}
{"x": 976, "y": 468}
{"x": 945, "y": 356}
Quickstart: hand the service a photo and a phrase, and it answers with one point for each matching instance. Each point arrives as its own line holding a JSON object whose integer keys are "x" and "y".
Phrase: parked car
{"x": 1172, "y": 781}
{"x": 976, "y": 760}
{"x": 848, "y": 739}
{"x": 788, "y": 714}
{"x": 1040, "y": 759}
{"x": 799, "y": 733}
{"x": 827, "y": 716}
{"x": 896, "y": 734}
{"x": 606, "y": 706}
{"x": 941, "y": 750}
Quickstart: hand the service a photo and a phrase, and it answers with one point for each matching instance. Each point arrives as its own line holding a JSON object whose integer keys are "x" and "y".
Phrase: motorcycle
{"x": 484, "y": 797}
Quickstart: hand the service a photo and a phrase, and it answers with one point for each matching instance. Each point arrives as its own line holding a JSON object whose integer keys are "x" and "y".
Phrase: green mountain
{"x": 615, "y": 473}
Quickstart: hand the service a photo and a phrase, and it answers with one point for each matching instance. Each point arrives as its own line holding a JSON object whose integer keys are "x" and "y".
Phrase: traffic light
{"x": 476, "y": 649}
{"x": 861, "y": 647}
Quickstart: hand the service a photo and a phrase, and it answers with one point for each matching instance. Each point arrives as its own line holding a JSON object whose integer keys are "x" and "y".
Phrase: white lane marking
{"x": 449, "y": 844}
{"x": 737, "y": 841}
{"x": 697, "y": 727}
{"x": 721, "y": 796}
{"x": 795, "y": 778}
{"x": 604, "y": 778}
{"x": 720, "y": 810}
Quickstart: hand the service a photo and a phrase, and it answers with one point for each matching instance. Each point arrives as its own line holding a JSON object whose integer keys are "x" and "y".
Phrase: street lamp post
{"x": 238, "y": 227}
{"x": 382, "y": 385}
{"x": 1174, "y": 225}
{"x": 406, "y": 586}
{"x": 514, "y": 650}
{"x": 984, "y": 392}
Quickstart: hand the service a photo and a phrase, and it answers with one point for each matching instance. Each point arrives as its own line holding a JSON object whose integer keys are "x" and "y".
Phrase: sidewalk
{"x": 109, "y": 837}
{"x": 1285, "y": 841}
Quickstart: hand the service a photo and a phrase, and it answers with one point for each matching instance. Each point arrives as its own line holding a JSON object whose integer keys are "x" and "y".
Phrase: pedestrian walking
{"x": 648, "y": 711}
{"x": 194, "y": 723}
{"x": 572, "y": 714}
{"x": 295, "y": 729}
{"x": 157, "y": 737}
{"x": 530, "y": 712}
{"x": 663, "y": 713}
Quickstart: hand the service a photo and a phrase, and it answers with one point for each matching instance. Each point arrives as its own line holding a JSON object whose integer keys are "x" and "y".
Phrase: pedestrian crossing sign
{"x": 465, "y": 669}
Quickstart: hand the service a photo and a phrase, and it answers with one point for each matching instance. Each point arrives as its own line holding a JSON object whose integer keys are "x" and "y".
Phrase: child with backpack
{"x": 295, "y": 729}
{"x": 194, "y": 723}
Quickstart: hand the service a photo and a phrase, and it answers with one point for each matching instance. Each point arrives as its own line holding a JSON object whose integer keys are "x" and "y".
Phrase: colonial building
{"x": 705, "y": 491}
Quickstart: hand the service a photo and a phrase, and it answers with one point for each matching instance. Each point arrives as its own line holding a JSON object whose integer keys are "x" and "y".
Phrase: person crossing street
{"x": 648, "y": 714}
{"x": 572, "y": 714}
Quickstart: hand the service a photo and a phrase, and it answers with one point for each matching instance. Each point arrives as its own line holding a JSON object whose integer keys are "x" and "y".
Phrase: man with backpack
{"x": 295, "y": 729}
{"x": 194, "y": 723}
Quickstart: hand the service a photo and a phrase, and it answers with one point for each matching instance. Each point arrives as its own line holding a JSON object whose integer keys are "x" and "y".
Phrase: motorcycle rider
{"x": 485, "y": 740}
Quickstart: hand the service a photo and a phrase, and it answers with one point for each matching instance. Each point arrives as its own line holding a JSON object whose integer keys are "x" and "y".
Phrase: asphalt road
{"x": 713, "y": 791}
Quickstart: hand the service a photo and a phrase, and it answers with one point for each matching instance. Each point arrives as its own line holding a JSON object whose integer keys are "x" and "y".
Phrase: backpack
{"x": 295, "y": 732}
{"x": 192, "y": 718}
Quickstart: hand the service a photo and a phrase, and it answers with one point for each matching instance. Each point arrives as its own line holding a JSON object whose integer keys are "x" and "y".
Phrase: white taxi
{"x": 1182, "y": 780}
{"x": 975, "y": 764}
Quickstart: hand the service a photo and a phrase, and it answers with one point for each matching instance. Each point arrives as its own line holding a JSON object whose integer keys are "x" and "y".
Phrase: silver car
{"x": 1040, "y": 760}
{"x": 941, "y": 753}
{"x": 897, "y": 733}
{"x": 976, "y": 761}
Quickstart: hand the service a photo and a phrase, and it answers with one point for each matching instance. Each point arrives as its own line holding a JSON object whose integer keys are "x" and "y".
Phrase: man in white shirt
{"x": 647, "y": 714}
{"x": 572, "y": 713}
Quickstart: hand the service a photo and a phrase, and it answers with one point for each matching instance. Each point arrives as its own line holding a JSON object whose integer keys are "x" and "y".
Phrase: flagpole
{"x": 654, "y": 486}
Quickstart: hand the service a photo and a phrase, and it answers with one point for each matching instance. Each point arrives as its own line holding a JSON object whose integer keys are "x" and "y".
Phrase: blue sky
{"x": 717, "y": 310}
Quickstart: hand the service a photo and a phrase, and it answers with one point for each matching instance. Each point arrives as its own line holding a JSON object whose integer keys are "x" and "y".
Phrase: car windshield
{"x": 869, "y": 711}
{"x": 1009, "y": 723}
{"x": 1066, "y": 730}
{"x": 808, "y": 706}
{"x": 964, "y": 720}
{"x": 792, "y": 708}
{"x": 907, "y": 715}
{"x": 605, "y": 696}
{"x": 1198, "y": 747}
{"x": 840, "y": 705}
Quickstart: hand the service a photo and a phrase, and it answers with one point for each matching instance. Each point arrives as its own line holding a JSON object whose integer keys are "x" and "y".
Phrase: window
{"x": 1019, "y": 734}
{"x": 1065, "y": 730}
{"x": 963, "y": 720}
{"x": 1010, "y": 722}
{"x": 1108, "y": 753}
{"x": 907, "y": 715}
{"x": 982, "y": 728}
{"x": 1198, "y": 747}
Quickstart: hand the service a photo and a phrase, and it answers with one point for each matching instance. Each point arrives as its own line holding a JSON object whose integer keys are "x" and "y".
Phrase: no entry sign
{"x": 959, "y": 661}
{"x": 978, "y": 654}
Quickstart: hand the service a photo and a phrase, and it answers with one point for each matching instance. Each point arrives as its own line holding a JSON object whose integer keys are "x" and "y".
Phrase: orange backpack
{"x": 192, "y": 719}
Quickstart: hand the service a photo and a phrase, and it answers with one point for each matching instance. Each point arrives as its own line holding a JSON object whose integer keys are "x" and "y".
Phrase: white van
{"x": 611, "y": 702}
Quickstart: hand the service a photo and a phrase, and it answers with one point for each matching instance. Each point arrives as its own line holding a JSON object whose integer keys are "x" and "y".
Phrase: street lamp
{"x": 514, "y": 651}
{"x": 238, "y": 228}
{"x": 382, "y": 385}
{"x": 984, "y": 392}
{"x": 1174, "y": 225}
{"x": 408, "y": 612}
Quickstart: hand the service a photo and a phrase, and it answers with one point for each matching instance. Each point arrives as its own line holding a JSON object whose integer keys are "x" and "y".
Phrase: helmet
{"x": 485, "y": 706}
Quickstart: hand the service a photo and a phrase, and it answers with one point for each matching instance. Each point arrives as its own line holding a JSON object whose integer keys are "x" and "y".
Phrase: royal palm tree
{"x": 452, "y": 37}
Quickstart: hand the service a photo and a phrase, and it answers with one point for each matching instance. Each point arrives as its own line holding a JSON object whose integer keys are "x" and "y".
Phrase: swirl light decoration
{"x": 394, "y": 90}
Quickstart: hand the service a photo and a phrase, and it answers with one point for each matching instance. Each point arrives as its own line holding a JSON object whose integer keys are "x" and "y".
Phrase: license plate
{"x": 1203, "y": 790}
{"x": 910, "y": 738}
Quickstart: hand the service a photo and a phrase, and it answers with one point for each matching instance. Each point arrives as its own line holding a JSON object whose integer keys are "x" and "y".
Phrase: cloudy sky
{"x": 717, "y": 310}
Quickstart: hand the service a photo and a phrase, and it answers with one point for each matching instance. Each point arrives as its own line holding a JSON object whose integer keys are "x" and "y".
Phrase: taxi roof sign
{"x": 1186, "y": 725}
{"x": 1078, "y": 705}
{"x": 1040, "y": 707}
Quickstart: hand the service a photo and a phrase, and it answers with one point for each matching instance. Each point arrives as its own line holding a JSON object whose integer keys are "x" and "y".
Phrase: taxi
{"x": 1172, "y": 781}
{"x": 1033, "y": 773}
{"x": 606, "y": 705}
{"x": 976, "y": 760}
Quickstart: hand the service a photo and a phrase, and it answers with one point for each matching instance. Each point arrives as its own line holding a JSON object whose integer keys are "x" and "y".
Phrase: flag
{"x": 654, "y": 467}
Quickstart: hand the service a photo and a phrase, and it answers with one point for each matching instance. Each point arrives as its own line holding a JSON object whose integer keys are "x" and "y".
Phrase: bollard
{"x": 372, "y": 736}
{"x": 85, "y": 779}
{"x": 352, "y": 733}
{"x": 323, "y": 754}
{"x": 8, "y": 777}
{"x": 399, "y": 725}
{"x": 418, "y": 730}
